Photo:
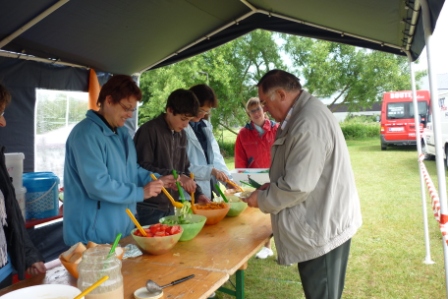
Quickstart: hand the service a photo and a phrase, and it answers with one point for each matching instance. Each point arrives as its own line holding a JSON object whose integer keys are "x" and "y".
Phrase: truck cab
{"x": 397, "y": 117}
{"x": 428, "y": 142}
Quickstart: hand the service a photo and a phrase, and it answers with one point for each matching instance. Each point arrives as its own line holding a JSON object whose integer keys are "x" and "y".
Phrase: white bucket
{"x": 20, "y": 196}
{"x": 14, "y": 164}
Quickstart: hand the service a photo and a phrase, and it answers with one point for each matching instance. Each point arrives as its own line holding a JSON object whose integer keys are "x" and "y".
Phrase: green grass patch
{"x": 387, "y": 253}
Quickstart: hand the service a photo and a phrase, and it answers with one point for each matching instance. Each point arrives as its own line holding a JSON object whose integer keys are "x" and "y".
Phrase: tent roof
{"x": 132, "y": 36}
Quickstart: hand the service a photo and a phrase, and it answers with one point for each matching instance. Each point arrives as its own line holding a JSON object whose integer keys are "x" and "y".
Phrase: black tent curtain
{"x": 21, "y": 78}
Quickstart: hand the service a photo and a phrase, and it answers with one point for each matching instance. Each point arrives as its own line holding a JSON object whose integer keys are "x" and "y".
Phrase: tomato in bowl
{"x": 160, "y": 238}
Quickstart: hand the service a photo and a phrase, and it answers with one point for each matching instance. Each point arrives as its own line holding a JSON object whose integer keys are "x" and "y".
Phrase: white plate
{"x": 240, "y": 195}
{"x": 44, "y": 291}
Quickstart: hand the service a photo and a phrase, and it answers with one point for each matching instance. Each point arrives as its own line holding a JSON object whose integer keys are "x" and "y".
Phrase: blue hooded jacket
{"x": 101, "y": 179}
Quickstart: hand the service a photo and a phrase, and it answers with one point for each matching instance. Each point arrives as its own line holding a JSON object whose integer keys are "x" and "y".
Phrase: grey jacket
{"x": 312, "y": 198}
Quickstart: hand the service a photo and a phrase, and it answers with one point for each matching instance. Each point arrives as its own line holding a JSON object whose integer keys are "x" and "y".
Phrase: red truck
{"x": 397, "y": 117}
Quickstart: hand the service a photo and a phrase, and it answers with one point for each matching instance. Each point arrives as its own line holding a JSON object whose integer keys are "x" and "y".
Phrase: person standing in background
{"x": 312, "y": 196}
{"x": 253, "y": 148}
{"x": 254, "y": 141}
{"x": 206, "y": 162}
{"x": 17, "y": 251}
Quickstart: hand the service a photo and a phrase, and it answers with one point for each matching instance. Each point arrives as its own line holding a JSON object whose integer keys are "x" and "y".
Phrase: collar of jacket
{"x": 267, "y": 126}
{"x": 96, "y": 118}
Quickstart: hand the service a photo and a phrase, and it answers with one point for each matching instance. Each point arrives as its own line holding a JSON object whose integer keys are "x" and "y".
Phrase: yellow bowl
{"x": 156, "y": 245}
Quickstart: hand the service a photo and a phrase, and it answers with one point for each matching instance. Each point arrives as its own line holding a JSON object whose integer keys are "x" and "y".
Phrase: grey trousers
{"x": 324, "y": 277}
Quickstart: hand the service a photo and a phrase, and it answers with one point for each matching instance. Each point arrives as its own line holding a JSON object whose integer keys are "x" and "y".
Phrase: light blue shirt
{"x": 198, "y": 162}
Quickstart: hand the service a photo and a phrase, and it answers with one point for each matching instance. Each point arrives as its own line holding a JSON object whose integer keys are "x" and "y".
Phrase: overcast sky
{"x": 439, "y": 47}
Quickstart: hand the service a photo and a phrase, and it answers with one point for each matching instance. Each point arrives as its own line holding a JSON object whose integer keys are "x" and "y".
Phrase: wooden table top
{"x": 225, "y": 246}
{"x": 216, "y": 253}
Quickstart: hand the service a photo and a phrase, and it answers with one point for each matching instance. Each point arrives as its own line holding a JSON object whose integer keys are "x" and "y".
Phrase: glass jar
{"x": 94, "y": 265}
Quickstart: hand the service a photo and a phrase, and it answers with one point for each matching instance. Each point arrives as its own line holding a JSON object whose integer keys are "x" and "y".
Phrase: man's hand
{"x": 252, "y": 200}
{"x": 188, "y": 184}
{"x": 168, "y": 181}
{"x": 264, "y": 186}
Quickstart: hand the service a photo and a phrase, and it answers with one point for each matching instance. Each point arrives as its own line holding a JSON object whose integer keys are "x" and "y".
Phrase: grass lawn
{"x": 387, "y": 253}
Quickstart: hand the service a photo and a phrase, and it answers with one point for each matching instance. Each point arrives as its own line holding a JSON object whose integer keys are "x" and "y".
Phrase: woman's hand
{"x": 36, "y": 268}
{"x": 220, "y": 175}
{"x": 153, "y": 188}
{"x": 188, "y": 184}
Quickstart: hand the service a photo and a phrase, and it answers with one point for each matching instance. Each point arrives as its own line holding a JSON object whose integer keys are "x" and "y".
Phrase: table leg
{"x": 240, "y": 284}
{"x": 239, "y": 287}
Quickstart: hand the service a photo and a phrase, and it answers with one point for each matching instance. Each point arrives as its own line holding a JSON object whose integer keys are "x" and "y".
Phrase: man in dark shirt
{"x": 161, "y": 147}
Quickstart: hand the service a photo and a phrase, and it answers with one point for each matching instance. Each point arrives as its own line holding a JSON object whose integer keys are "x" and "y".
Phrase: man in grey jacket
{"x": 312, "y": 196}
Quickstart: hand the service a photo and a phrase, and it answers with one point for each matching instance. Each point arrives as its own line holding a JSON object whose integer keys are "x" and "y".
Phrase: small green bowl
{"x": 192, "y": 229}
{"x": 236, "y": 208}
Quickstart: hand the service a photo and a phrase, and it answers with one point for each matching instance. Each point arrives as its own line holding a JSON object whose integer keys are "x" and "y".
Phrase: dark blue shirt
{"x": 199, "y": 132}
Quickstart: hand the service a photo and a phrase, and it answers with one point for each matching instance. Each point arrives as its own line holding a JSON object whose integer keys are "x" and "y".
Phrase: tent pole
{"x": 38, "y": 59}
{"x": 31, "y": 23}
{"x": 418, "y": 138}
{"x": 437, "y": 131}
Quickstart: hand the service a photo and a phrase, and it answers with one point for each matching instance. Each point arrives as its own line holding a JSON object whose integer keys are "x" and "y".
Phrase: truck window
{"x": 405, "y": 110}
{"x": 396, "y": 110}
{"x": 422, "y": 109}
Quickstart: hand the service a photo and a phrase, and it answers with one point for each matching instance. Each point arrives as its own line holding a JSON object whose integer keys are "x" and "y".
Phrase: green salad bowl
{"x": 236, "y": 208}
{"x": 191, "y": 229}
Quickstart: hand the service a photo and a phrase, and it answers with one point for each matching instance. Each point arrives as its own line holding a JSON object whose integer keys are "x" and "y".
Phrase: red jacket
{"x": 253, "y": 150}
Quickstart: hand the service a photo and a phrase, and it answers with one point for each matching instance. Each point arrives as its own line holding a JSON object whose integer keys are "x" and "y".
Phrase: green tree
{"x": 353, "y": 76}
{"x": 232, "y": 70}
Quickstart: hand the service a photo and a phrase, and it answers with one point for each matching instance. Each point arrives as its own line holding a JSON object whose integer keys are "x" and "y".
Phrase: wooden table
{"x": 219, "y": 251}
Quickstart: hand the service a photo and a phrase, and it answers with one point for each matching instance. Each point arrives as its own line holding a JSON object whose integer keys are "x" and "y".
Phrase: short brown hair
{"x": 205, "y": 95}
{"x": 119, "y": 87}
{"x": 183, "y": 101}
{"x": 279, "y": 79}
{"x": 252, "y": 102}
{"x": 5, "y": 97}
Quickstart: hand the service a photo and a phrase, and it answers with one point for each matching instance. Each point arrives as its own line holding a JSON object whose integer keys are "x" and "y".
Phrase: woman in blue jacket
{"x": 101, "y": 174}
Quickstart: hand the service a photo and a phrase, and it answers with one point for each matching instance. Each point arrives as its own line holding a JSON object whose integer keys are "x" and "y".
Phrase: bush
{"x": 227, "y": 148}
{"x": 356, "y": 130}
{"x": 362, "y": 118}
{"x": 354, "y": 127}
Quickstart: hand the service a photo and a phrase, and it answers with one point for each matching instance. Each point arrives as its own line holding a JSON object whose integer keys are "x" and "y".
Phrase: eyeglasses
{"x": 126, "y": 109}
{"x": 253, "y": 111}
{"x": 204, "y": 112}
